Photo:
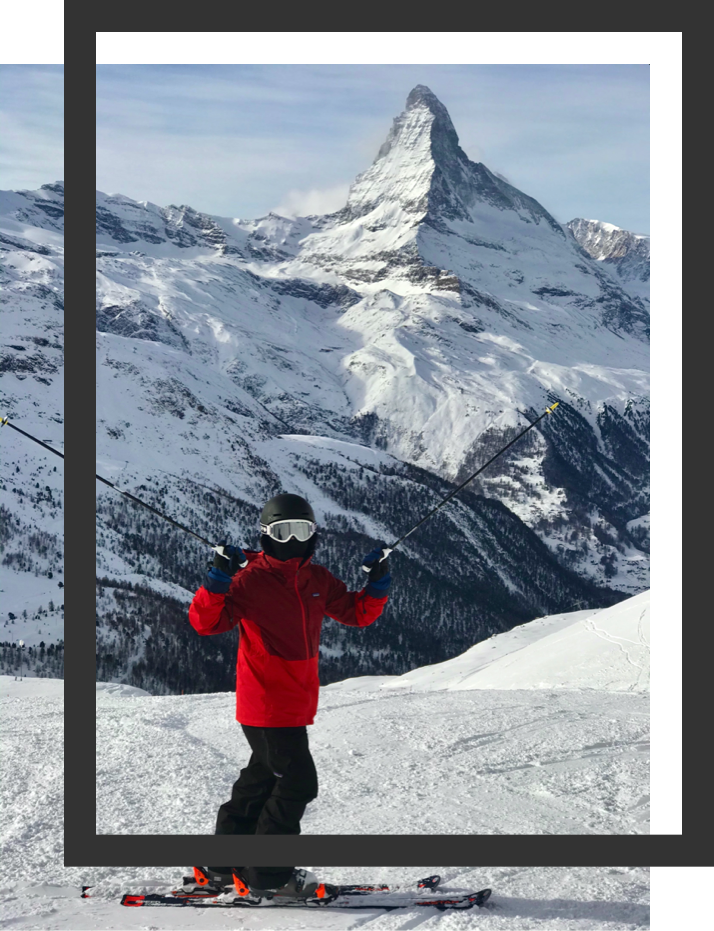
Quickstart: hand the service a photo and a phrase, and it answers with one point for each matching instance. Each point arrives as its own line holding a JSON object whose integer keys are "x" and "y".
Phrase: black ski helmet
{"x": 286, "y": 507}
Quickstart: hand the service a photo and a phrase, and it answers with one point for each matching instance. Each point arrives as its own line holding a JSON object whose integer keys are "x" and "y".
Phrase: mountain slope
{"x": 478, "y": 570}
{"x": 604, "y": 650}
{"x": 419, "y": 319}
{"x": 31, "y": 381}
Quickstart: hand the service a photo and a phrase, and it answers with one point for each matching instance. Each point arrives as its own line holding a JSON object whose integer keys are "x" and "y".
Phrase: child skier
{"x": 277, "y": 598}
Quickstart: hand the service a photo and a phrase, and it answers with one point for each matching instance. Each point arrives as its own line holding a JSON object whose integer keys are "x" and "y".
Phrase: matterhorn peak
{"x": 422, "y": 97}
{"x": 425, "y": 119}
{"x": 421, "y": 176}
{"x": 421, "y": 94}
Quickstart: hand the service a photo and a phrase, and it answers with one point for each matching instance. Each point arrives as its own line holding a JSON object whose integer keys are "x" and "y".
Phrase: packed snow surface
{"x": 606, "y": 649}
{"x": 520, "y": 741}
{"x": 31, "y": 799}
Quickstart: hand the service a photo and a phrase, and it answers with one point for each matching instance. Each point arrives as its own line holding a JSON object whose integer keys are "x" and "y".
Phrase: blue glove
{"x": 378, "y": 568}
{"x": 225, "y": 565}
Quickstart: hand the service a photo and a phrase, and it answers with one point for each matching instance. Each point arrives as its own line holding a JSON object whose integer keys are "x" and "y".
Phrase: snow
{"x": 639, "y": 522}
{"x": 543, "y": 729}
{"x": 607, "y": 649}
{"x": 119, "y": 690}
{"x": 610, "y": 227}
{"x": 46, "y": 895}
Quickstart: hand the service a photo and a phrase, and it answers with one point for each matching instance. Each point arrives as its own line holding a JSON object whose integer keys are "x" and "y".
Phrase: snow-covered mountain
{"x": 565, "y": 699}
{"x": 628, "y": 253}
{"x": 369, "y": 358}
{"x": 31, "y": 369}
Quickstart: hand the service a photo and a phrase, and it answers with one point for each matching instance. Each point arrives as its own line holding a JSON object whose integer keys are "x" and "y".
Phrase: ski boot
{"x": 207, "y": 882}
{"x": 301, "y": 885}
{"x": 232, "y": 884}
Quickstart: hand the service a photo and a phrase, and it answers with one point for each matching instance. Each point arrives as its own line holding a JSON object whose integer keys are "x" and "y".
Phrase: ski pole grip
{"x": 222, "y": 552}
{"x": 386, "y": 550}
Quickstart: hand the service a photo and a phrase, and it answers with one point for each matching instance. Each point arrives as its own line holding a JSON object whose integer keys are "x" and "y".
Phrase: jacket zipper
{"x": 304, "y": 619}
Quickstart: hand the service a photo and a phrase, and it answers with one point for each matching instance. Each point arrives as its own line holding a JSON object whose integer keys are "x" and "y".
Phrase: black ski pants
{"x": 274, "y": 789}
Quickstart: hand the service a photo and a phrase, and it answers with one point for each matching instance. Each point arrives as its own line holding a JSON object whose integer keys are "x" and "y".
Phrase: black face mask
{"x": 289, "y": 550}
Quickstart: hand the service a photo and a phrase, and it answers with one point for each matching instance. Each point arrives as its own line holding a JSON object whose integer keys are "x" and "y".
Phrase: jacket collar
{"x": 285, "y": 567}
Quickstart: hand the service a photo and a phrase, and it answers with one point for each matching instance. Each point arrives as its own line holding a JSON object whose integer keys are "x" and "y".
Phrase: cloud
{"x": 316, "y": 201}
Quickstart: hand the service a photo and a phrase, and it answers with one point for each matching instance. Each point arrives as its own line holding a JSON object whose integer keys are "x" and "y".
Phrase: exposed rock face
{"x": 628, "y": 253}
{"x": 42, "y": 209}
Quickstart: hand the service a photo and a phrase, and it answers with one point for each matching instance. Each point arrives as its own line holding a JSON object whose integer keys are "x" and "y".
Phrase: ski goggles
{"x": 284, "y": 530}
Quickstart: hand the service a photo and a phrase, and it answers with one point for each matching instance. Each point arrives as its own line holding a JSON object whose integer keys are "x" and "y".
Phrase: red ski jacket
{"x": 278, "y": 608}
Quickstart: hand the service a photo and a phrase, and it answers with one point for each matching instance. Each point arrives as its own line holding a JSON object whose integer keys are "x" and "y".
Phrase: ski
{"x": 423, "y": 885}
{"x": 191, "y": 889}
{"x": 335, "y": 899}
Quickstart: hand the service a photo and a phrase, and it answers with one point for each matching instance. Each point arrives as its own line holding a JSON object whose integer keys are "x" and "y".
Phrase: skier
{"x": 277, "y": 598}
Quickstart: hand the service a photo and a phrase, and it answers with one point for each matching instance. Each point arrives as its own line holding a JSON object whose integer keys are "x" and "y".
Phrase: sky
{"x": 241, "y": 140}
{"x": 31, "y": 126}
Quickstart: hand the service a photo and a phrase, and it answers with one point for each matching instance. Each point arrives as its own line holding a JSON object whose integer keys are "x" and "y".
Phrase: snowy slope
{"x": 607, "y": 649}
{"x": 543, "y": 729}
{"x": 31, "y": 834}
{"x": 420, "y": 319}
{"x": 31, "y": 386}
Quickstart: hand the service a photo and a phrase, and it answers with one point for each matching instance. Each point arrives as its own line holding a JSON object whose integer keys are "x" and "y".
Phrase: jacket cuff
{"x": 217, "y": 581}
{"x": 375, "y": 592}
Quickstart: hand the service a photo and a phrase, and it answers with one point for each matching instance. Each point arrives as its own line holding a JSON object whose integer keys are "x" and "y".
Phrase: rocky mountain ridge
{"x": 628, "y": 253}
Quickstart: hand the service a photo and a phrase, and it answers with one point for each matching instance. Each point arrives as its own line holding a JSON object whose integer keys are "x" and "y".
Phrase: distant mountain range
{"x": 369, "y": 359}
{"x": 628, "y": 253}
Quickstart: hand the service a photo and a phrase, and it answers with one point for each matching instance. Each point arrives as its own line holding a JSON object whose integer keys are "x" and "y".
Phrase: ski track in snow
{"x": 481, "y": 762}
{"x": 31, "y": 833}
{"x": 451, "y": 748}
{"x": 641, "y": 643}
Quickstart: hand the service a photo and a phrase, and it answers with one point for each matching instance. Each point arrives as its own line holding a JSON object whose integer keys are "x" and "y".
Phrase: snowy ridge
{"x": 607, "y": 649}
{"x": 628, "y": 253}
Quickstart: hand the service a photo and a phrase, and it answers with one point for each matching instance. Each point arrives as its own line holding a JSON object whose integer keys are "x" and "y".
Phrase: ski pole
{"x": 219, "y": 549}
{"x": 127, "y": 494}
{"x": 6, "y": 421}
{"x": 388, "y": 549}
